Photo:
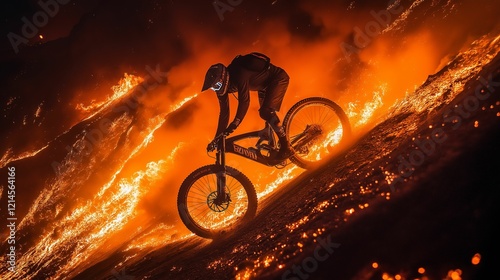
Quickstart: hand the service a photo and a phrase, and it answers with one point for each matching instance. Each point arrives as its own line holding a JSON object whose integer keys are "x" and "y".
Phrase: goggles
{"x": 217, "y": 86}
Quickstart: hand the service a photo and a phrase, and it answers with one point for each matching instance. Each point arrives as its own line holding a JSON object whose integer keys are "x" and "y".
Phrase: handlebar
{"x": 212, "y": 146}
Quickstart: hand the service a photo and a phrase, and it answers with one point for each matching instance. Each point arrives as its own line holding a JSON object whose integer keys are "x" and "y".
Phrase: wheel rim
{"x": 319, "y": 116}
{"x": 212, "y": 217}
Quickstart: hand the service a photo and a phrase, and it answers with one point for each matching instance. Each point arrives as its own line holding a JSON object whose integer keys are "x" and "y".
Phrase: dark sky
{"x": 147, "y": 15}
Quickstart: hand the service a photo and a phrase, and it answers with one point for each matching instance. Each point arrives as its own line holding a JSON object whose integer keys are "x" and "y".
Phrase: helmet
{"x": 217, "y": 79}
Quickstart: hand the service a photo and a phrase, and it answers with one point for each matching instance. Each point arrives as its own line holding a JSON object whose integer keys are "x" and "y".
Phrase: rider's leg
{"x": 272, "y": 119}
{"x": 264, "y": 134}
{"x": 271, "y": 103}
{"x": 270, "y": 116}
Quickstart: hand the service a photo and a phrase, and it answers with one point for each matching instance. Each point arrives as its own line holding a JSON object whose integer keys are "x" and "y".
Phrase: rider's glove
{"x": 211, "y": 147}
{"x": 232, "y": 126}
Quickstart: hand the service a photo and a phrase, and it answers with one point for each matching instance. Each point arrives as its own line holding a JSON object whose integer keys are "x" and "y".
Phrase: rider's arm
{"x": 223, "y": 114}
{"x": 243, "y": 102}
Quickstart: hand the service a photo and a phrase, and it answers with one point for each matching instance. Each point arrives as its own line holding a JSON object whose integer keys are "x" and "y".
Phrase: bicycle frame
{"x": 228, "y": 145}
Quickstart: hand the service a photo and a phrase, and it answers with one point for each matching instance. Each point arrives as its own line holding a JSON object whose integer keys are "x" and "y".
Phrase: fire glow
{"x": 94, "y": 222}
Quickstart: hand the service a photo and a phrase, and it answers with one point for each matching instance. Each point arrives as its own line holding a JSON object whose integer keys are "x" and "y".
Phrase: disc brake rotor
{"x": 217, "y": 206}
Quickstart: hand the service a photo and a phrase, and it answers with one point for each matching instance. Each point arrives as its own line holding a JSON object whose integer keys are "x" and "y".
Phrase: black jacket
{"x": 246, "y": 73}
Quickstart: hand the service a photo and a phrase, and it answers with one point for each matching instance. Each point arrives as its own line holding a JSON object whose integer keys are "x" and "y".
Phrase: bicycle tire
{"x": 183, "y": 205}
{"x": 321, "y": 101}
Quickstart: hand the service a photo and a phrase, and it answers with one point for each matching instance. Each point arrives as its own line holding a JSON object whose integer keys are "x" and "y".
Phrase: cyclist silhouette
{"x": 245, "y": 73}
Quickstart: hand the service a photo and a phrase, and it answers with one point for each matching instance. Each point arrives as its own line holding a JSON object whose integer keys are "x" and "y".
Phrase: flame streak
{"x": 284, "y": 176}
{"x": 70, "y": 241}
{"x": 368, "y": 109}
{"x": 429, "y": 96}
{"x": 403, "y": 17}
{"x": 8, "y": 156}
{"x": 94, "y": 222}
{"x": 125, "y": 86}
{"x": 182, "y": 102}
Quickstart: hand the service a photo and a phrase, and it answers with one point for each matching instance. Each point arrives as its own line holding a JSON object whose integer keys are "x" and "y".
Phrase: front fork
{"x": 221, "y": 172}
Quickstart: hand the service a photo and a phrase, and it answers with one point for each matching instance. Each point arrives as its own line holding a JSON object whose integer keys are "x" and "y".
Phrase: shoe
{"x": 285, "y": 151}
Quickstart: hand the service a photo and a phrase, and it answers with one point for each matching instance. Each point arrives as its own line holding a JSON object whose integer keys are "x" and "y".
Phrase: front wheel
{"x": 197, "y": 194}
{"x": 315, "y": 126}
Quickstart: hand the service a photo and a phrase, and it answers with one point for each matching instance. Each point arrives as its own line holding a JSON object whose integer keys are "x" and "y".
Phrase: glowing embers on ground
{"x": 159, "y": 235}
{"x": 420, "y": 273}
{"x": 276, "y": 257}
{"x": 444, "y": 87}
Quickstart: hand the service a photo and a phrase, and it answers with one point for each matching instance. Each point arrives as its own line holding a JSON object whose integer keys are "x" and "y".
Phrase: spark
{"x": 38, "y": 110}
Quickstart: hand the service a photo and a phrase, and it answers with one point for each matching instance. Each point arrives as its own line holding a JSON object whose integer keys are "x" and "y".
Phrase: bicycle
{"x": 216, "y": 198}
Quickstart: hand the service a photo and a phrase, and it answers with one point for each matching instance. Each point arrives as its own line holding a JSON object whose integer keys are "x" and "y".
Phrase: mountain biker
{"x": 245, "y": 73}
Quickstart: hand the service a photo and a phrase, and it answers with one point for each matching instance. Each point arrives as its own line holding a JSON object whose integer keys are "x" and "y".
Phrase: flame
{"x": 8, "y": 157}
{"x": 369, "y": 108}
{"x": 284, "y": 176}
{"x": 95, "y": 222}
{"x": 81, "y": 233}
{"x": 182, "y": 102}
{"x": 124, "y": 86}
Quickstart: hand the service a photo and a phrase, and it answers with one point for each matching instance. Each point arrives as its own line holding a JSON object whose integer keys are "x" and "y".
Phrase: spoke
{"x": 197, "y": 202}
{"x": 198, "y": 192}
{"x": 195, "y": 207}
{"x": 208, "y": 215}
{"x": 202, "y": 213}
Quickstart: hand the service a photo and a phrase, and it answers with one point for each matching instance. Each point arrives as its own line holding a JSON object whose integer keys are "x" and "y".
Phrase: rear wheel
{"x": 196, "y": 201}
{"x": 315, "y": 126}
